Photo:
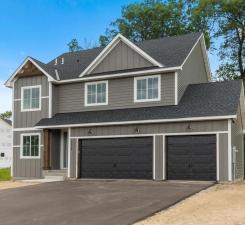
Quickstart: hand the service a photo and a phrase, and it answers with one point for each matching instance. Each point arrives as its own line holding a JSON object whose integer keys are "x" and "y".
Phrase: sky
{"x": 42, "y": 29}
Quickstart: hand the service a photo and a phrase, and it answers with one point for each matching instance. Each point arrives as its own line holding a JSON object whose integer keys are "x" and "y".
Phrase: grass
{"x": 5, "y": 174}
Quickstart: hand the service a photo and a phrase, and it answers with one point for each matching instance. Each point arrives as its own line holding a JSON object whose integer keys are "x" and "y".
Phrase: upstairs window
{"x": 147, "y": 89}
{"x": 30, "y": 145}
{"x": 31, "y": 98}
{"x": 96, "y": 93}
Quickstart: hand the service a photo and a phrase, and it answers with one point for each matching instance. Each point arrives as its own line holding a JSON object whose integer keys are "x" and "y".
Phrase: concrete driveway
{"x": 90, "y": 202}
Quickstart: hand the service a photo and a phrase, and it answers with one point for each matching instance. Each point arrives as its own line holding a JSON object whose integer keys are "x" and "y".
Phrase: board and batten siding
{"x": 193, "y": 71}
{"x": 29, "y": 119}
{"x": 70, "y": 97}
{"x": 237, "y": 142}
{"x": 159, "y": 130}
{"x": 26, "y": 168}
{"x": 122, "y": 57}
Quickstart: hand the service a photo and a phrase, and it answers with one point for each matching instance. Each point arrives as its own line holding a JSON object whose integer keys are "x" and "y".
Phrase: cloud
{"x": 5, "y": 97}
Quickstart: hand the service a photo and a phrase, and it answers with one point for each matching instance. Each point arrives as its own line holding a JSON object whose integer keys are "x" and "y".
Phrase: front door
{"x": 64, "y": 150}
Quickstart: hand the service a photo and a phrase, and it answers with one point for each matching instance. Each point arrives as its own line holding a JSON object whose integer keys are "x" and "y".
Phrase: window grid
{"x": 96, "y": 93}
{"x": 31, "y": 98}
{"x": 30, "y": 146}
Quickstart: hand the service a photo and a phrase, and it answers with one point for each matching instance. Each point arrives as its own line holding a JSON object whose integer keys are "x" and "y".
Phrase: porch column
{"x": 46, "y": 153}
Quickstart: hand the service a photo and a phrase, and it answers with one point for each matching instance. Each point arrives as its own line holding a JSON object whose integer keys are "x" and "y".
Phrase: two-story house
{"x": 129, "y": 110}
{"x": 5, "y": 143}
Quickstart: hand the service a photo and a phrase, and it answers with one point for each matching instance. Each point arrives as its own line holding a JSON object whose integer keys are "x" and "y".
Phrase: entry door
{"x": 191, "y": 157}
{"x": 64, "y": 150}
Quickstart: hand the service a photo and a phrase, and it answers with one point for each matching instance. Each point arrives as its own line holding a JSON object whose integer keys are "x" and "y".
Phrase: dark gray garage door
{"x": 191, "y": 157}
{"x": 116, "y": 158}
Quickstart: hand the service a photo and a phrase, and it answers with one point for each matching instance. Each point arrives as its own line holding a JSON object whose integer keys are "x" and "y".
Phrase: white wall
{"x": 5, "y": 144}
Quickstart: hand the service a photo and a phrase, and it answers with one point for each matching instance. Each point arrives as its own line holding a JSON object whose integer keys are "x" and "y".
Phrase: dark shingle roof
{"x": 9, "y": 122}
{"x": 199, "y": 100}
{"x": 169, "y": 51}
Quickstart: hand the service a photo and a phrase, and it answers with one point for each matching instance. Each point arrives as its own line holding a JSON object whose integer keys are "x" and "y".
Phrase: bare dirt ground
{"x": 222, "y": 204}
{"x": 14, "y": 184}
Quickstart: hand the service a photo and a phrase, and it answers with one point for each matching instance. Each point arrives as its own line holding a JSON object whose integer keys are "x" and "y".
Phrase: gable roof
{"x": 168, "y": 52}
{"x": 216, "y": 100}
{"x": 9, "y": 122}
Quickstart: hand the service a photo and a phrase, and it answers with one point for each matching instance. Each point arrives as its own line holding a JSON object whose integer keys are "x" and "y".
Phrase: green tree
{"x": 6, "y": 115}
{"x": 155, "y": 19}
{"x": 73, "y": 45}
{"x": 229, "y": 19}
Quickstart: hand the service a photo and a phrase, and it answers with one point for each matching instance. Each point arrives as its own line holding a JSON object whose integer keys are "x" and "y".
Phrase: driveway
{"x": 90, "y": 202}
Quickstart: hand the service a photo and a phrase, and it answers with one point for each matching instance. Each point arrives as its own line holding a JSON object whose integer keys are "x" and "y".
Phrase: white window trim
{"x": 86, "y": 92}
{"x": 21, "y": 145}
{"x": 147, "y": 100}
{"x": 22, "y": 98}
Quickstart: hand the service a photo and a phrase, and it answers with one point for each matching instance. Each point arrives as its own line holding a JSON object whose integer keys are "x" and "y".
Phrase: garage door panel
{"x": 191, "y": 157}
{"x": 117, "y": 158}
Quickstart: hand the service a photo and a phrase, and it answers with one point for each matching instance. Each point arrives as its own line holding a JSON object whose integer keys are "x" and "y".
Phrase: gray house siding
{"x": 157, "y": 130}
{"x": 73, "y": 157}
{"x": 193, "y": 71}
{"x": 120, "y": 58}
{"x": 223, "y": 157}
{"x": 70, "y": 97}
{"x": 29, "y": 119}
{"x": 237, "y": 142}
{"x": 26, "y": 168}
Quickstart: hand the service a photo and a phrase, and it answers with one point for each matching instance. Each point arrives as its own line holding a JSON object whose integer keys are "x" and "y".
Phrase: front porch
{"x": 55, "y": 155}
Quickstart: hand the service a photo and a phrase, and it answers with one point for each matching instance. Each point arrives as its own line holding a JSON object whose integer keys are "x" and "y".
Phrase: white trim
{"x": 69, "y": 153}
{"x": 146, "y": 78}
{"x": 217, "y": 156}
{"x": 62, "y": 149}
{"x": 108, "y": 49}
{"x": 45, "y": 97}
{"x": 116, "y": 75}
{"x": 154, "y": 158}
{"x": 176, "y": 88}
{"x": 57, "y": 74}
{"x": 229, "y": 152}
{"x": 17, "y": 99}
{"x": 9, "y": 81}
{"x": 22, "y": 98}
{"x": 25, "y": 129}
{"x": 76, "y": 158}
{"x": 164, "y": 157}
{"x": 140, "y": 122}
{"x": 21, "y": 144}
{"x": 86, "y": 93}
{"x": 12, "y": 139}
{"x": 16, "y": 146}
{"x": 50, "y": 99}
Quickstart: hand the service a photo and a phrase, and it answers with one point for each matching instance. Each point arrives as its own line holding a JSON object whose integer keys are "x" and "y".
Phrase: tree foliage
{"x": 152, "y": 19}
{"x": 229, "y": 19}
{"x": 74, "y": 46}
{"x": 6, "y": 115}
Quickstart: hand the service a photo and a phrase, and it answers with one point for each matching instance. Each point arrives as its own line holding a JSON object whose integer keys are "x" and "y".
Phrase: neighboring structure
{"x": 141, "y": 111}
{"x": 5, "y": 143}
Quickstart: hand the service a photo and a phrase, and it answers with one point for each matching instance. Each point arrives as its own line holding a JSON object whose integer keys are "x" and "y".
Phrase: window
{"x": 31, "y": 98}
{"x": 96, "y": 93}
{"x": 2, "y": 154}
{"x": 30, "y": 145}
{"x": 147, "y": 89}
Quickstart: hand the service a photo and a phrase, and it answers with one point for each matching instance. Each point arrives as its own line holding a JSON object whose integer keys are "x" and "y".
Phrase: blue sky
{"x": 42, "y": 29}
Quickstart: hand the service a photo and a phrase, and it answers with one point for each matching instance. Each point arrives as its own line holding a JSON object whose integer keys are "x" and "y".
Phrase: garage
{"x": 116, "y": 158}
{"x": 191, "y": 157}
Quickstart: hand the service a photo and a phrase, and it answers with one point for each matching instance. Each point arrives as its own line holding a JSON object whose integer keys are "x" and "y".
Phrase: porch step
{"x": 55, "y": 174}
{"x": 54, "y": 178}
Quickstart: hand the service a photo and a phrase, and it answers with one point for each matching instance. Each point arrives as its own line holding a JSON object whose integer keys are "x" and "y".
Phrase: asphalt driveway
{"x": 90, "y": 202}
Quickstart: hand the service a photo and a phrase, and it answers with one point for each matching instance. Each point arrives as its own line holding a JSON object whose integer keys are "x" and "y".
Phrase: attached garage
{"x": 191, "y": 157}
{"x": 117, "y": 158}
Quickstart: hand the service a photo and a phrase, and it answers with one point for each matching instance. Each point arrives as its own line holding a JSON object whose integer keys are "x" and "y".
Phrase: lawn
{"x": 5, "y": 174}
